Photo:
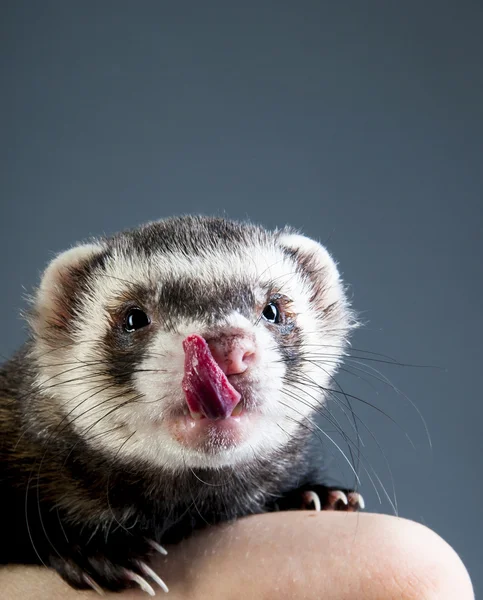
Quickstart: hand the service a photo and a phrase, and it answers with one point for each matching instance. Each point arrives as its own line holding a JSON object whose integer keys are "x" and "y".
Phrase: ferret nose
{"x": 233, "y": 353}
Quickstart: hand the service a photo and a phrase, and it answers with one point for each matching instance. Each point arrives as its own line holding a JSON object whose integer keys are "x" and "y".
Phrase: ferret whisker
{"x": 99, "y": 377}
{"x": 85, "y": 363}
{"x": 334, "y": 395}
{"x": 61, "y": 525}
{"x": 205, "y": 482}
{"x": 356, "y": 418}
{"x": 392, "y": 362}
{"x": 29, "y": 532}
{"x": 90, "y": 438}
{"x": 108, "y": 479}
{"x": 38, "y": 485}
{"x": 379, "y": 481}
{"x": 100, "y": 404}
{"x": 92, "y": 342}
{"x": 68, "y": 423}
{"x": 39, "y": 512}
{"x": 324, "y": 412}
{"x": 39, "y": 509}
{"x": 376, "y": 374}
{"x": 305, "y": 345}
{"x": 349, "y": 369}
{"x": 326, "y": 435}
{"x": 385, "y": 380}
{"x": 92, "y": 391}
{"x": 347, "y": 357}
{"x": 366, "y": 402}
{"x": 98, "y": 388}
{"x": 40, "y": 387}
{"x": 392, "y": 502}
{"x": 319, "y": 409}
{"x": 352, "y": 373}
{"x": 290, "y": 382}
{"x": 194, "y": 505}
{"x": 308, "y": 425}
{"x": 57, "y": 375}
{"x": 26, "y": 429}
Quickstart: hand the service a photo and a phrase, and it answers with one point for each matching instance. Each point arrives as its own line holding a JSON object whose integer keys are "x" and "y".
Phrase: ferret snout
{"x": 233, "y": 353}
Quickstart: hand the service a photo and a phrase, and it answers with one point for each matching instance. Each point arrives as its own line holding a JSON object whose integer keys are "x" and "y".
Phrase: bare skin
{"x": 303, "y": 554}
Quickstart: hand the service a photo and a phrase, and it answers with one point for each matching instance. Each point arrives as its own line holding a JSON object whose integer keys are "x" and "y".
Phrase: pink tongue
{"x": 206, "y": 387}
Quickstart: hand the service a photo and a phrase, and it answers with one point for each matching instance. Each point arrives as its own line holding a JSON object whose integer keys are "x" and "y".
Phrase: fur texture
{"x": 91, "y": 461}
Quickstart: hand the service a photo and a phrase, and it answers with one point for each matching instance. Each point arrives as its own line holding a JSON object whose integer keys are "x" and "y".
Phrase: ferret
{"x": 170, "y": 382}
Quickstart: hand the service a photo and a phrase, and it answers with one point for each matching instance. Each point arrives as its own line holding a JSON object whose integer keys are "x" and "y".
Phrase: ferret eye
{"x": 271, "y": 313}
{"x": 135, "y": 319}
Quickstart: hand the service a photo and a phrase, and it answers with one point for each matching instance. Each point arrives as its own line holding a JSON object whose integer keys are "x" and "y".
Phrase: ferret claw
{"x": 339, "y": 500}
{"x": 311, "y": 498}
{"x": 142, "y": 583}
{"x": 321, "y": 498}
{"x": 154, "y": 576}
{"x": 157, "y": 547}
{"x": 336, "y": 500}
{"x": 356, "y": 501}
{"x": 91, "y": 583}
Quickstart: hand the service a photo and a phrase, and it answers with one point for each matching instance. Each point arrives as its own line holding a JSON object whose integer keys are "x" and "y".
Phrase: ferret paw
{"x": 320, "y": 498}
{"x": 101, "y": 573}
{"x": 342, "y": 501}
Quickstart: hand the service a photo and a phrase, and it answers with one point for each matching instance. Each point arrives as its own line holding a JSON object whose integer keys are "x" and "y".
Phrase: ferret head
{"x": 190, "y": 342}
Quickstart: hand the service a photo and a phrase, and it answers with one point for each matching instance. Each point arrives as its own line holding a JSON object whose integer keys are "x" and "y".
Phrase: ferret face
{"x": 190, "y": 342}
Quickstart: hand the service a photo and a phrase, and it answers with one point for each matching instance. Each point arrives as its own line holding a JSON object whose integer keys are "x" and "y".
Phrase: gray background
{"x": 359, "y": 122}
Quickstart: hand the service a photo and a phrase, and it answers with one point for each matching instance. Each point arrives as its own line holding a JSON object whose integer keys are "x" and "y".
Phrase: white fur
{"x": 54, "y": 278}
{"x": 69, "y": 373}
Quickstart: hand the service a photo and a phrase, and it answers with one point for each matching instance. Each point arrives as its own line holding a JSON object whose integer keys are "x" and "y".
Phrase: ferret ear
{"x": 318, "y": 265}
{"x": 58, "y": 295}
